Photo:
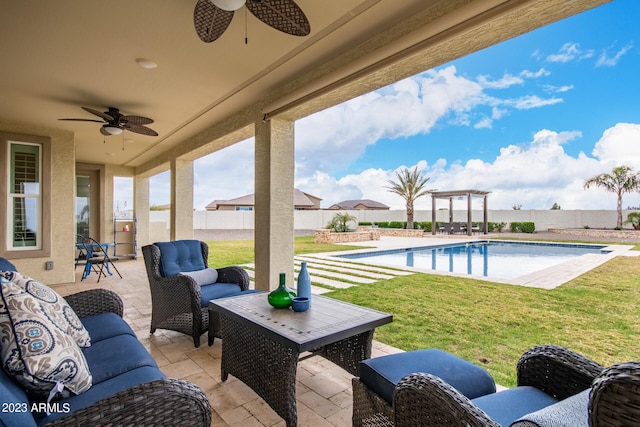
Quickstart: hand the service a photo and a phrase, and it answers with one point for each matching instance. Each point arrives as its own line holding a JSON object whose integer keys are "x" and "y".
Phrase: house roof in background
{"x": 353, "y": 204}
{"x": 300, "y": 199}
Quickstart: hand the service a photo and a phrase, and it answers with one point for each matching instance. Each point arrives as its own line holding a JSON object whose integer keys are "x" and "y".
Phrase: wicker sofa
{"x": 555, "y": 387}
{"x": 180, "y": 301}
{"x": 127, "y": 387}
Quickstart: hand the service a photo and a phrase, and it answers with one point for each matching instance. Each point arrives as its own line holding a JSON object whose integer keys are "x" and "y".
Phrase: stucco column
{"x": 274, "y": 168}
{"x": 141, "y": 209}
{"x": 181, "y": 199}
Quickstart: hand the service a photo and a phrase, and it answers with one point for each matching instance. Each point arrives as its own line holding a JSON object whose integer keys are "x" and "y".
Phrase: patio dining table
{"x": 261, "y": 345}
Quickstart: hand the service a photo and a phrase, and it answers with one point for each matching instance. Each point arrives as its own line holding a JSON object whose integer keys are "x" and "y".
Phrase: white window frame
{"x": 43, "y": 232}
{"x": 12, "y": 197}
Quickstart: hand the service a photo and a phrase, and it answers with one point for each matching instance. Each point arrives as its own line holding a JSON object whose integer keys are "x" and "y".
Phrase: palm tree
{"x": 623, "y": 179}
{"x": 409, "y": 185}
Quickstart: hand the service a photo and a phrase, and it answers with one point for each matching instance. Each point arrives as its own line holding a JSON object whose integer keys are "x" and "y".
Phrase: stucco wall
{"x": 313, "y": 220}
{"x": 62, "y": 207}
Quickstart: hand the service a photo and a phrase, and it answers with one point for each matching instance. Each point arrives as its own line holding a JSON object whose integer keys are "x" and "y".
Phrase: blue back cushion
{"x": 180, "y": 255}
{"x": 5, "y": 265}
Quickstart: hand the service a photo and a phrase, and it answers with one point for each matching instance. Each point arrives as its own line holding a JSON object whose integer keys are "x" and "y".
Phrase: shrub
{"x": 496, "y": 226}
{"x": 382, "y": 224}
{"x": 528, "y": 227}
{"x": 425, "y": 225}
{"x": 522, "y": 227}
{"x": 340, "y": 222}
{"x": 364, "y": 224}
{"x": 397, "y": 224}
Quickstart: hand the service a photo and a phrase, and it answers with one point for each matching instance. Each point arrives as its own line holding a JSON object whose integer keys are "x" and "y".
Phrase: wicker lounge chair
{"x": 423, "y": 399}
{"x": 180, "y": 302}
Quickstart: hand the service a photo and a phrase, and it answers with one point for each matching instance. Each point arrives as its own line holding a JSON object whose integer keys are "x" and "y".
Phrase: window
{"x": 244, "y": 208}
{"x": 24, "y": 187}
{"x": 25, "y": 201}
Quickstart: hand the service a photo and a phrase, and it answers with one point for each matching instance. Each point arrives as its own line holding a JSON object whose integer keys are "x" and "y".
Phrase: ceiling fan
{"x": 212, "y": 17}
{"x": 114, "y": 122}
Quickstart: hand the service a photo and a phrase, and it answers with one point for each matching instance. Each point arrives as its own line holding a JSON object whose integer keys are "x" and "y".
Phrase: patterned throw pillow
{"x": 35, "y": 351}
{"x": 53, "y": 305}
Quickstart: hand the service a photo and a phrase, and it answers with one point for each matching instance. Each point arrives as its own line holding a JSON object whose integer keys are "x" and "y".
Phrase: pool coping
{"x": 547, "y": 278}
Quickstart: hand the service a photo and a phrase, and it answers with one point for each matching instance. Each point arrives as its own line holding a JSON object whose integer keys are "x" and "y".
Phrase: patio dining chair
{"x": 96, "y": 257}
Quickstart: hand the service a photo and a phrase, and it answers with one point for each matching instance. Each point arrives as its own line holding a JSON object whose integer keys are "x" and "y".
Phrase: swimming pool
{"x": 495, "y": 259}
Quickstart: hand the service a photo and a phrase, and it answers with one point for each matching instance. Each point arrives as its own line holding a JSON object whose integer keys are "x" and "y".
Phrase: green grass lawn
{"x": 232, "y": 252}
{"x": 492, "y": 324}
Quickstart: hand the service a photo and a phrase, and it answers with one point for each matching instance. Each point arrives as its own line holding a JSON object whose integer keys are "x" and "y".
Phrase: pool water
{"x": 495, "y": 259}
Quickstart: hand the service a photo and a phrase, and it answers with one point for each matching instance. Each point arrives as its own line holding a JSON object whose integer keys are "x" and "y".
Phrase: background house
{"x": 347, "y": 205}
{"x": 301, "y": 201}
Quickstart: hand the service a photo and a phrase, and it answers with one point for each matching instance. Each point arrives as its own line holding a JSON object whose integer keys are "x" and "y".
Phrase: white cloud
{"x": 557, "y": 89}
{"x": 332, "y": 139}
{"x": 620, "y": 145}
{"x": 536, "y": 175}
{"x": 611, "y": 61}
{"x": 535, "y": 75}
{"x": 531, "y": 101}
{"x": 569, "y": 52}
{"x": 507, "y": 80}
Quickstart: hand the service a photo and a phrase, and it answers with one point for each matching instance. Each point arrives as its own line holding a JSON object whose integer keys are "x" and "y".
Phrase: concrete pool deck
{"x": 548, "y": 278}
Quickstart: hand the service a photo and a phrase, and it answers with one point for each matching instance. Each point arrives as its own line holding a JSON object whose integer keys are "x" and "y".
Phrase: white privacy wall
{"x": 311, "y": 220}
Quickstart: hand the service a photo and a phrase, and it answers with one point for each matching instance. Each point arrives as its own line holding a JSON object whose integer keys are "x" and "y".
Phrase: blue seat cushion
{"x": 382, "y": 374}
{"x": 507, "y": 406}
{"x": 180, "y": 255}
{"x": 105, "y": 325}
{"x": 218, "y": 290}
{"x": 17, "y": 410}
{"x": 103, "y": 390}
{"x": 6, "y": 265}
{"x": 115, "y": 356}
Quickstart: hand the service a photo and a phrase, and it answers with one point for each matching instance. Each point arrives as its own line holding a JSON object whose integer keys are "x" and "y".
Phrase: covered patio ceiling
{"x": 61, "y": 55}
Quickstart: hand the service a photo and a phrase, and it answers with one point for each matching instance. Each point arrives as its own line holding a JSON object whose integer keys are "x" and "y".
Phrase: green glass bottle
{"x": 281, "y": 297}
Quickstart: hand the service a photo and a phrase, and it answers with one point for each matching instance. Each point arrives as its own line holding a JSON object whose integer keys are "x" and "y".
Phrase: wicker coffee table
{"x": 261, "y": 345}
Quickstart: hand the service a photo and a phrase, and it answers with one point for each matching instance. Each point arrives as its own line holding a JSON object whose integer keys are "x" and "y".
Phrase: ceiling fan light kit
{"x": 228, "y": 5}
{"x": 112, "y": 130}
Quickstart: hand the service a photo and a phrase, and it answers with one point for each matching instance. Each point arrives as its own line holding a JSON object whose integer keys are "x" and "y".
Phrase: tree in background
{"x": 622, "y": 179}
{"x": 409, "y": 184}
{"x": 556, "y": 207}
{"x": 340, "y": 222}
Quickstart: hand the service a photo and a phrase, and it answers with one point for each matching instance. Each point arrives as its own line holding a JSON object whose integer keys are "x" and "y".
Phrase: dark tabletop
{"x": 327, "y": 320}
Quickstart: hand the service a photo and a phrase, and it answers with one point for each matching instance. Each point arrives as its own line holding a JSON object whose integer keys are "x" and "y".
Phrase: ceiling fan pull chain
{"x": 246, "y": 36}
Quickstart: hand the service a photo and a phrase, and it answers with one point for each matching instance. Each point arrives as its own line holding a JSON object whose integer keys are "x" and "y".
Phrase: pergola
{"x": 458, "y": 194}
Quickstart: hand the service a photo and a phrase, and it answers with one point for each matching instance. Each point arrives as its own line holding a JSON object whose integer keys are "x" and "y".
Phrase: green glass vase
{"x": 282, "y": 296}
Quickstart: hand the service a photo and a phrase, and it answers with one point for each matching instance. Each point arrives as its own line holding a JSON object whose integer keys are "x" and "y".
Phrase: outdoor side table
{"x": 261, "y": 345}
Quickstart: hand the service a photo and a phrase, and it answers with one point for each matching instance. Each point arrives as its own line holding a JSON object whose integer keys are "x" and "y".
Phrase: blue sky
{"x": 530, "y": 120}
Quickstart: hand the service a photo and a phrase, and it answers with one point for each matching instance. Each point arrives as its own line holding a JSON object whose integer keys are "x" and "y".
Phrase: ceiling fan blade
{"x": 136, "y": 120}
{"x": 210, "y": 21}
{"x": 140, "y": 129}
{"x": 283, "y": 15}
{"x": 83, "y": 120}
{"x": 105, "y": 116}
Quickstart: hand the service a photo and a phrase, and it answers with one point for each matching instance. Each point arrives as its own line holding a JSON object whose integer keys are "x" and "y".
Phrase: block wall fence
{"x": 313, "y": 220}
